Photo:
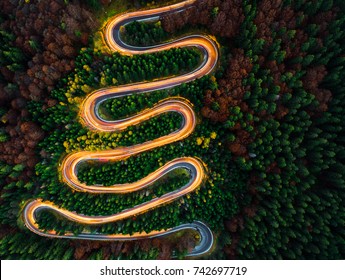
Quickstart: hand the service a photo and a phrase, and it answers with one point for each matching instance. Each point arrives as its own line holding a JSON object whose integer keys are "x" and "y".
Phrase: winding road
{"x": 90, "y": 117}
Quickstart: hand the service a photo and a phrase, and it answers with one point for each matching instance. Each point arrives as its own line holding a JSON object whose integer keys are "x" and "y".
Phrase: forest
{"x": 270, "y": 127}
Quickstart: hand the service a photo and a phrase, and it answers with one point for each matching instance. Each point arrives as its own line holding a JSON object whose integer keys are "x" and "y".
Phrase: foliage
{"x": 95, "y": 70}
{"x": 10, "y": 56}
{"x": 28, "y": 246}
{"x": 295, "y": 161}
{"x": 271, "y": 126}
{"x": 139, "y": 33}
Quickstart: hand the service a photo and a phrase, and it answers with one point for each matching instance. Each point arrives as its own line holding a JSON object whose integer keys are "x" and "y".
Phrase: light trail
{"x": 90, "y": 117}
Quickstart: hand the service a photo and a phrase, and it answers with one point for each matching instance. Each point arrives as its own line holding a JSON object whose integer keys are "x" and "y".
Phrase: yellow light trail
{"x": 90, "y": 117}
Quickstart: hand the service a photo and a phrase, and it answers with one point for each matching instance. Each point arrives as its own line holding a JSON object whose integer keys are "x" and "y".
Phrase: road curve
{"x": 89, "y": 114}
